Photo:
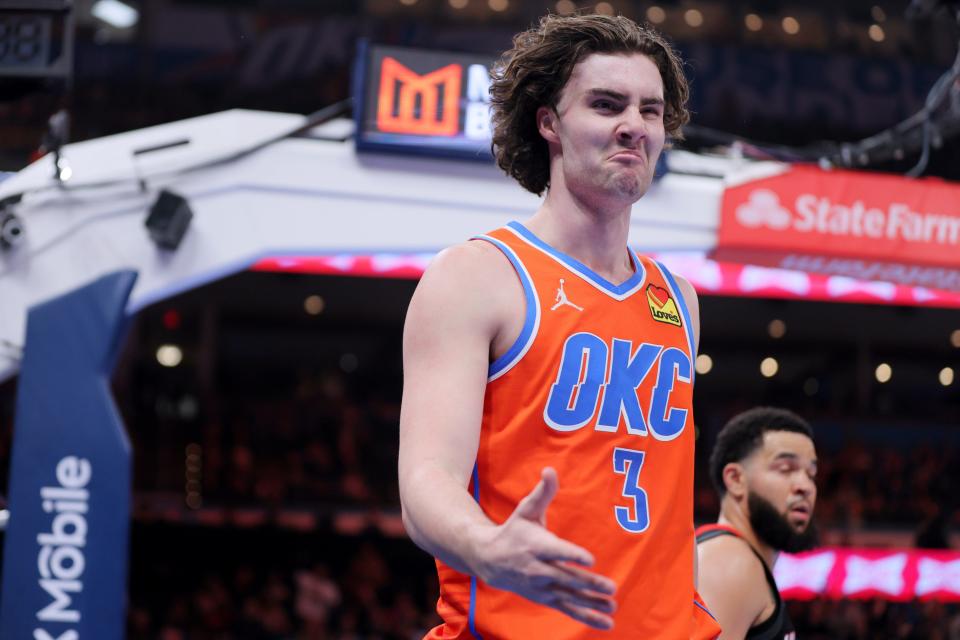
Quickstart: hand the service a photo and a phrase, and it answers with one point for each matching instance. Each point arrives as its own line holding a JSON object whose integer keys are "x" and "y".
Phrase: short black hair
{"x": 743, "y": 434}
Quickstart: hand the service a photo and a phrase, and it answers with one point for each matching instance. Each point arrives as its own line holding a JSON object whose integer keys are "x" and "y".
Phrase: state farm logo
{"x": 898, "y": 222}
{"x": 763, "y": 209}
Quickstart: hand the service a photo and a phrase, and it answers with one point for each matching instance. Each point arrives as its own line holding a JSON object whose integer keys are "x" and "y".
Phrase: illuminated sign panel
{"x": 845, "y": 223}
{"x": 410, "y": 103}
{"x": 423, "y": 102}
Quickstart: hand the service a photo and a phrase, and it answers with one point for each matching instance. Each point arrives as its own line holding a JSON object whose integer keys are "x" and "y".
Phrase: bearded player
{"x": 764, "y": 466}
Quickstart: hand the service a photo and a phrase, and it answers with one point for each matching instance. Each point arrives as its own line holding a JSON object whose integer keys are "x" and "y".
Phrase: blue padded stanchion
{"x": 65, "y": 553}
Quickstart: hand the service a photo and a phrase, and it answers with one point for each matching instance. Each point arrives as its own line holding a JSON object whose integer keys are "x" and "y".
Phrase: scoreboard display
{"x": 422, "y": 102}
{"x": 36, "y": 38}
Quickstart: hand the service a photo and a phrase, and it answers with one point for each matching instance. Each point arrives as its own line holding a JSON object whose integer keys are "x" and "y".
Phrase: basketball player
{"x": 763, "y": 466}
{"x": 546, "y": 444}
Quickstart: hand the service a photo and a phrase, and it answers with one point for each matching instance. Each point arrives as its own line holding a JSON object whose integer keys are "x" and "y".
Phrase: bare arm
{"x": 445, "y": 354}
{"x": 459, "y": 309}
{"x": 733, "y": 585}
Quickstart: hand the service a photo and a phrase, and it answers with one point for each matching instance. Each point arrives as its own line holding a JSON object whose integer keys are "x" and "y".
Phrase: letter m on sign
{"x": 426, "y": 105}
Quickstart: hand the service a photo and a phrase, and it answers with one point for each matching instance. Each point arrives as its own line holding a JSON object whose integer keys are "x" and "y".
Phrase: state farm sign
{"x": 867, "y": 226}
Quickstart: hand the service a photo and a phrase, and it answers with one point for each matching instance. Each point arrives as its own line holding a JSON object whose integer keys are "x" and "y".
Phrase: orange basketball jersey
{"x": 599, "y": 385}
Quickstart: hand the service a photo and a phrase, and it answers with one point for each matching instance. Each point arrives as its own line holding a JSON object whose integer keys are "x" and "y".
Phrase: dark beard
{"x": 773, "y": 529}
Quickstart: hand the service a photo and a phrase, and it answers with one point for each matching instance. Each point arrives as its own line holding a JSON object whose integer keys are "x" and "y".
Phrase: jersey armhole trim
{"x": 707, "y": 611}
{"x": 472, "y": 614}
{"x": 684, "y": 312}
{"x": 531, "y": 321}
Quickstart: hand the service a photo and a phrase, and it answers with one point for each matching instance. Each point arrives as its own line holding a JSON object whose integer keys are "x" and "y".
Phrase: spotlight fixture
{"x": 168, "y": 220}
{"x": 704, "y": 364}
{"x": 777, "y": 328}
{"x": 169, "y": 355}
{"x": 883, "y": 372}
{"x": 656, "y": 14}
{"x": 769, "y": 367}
{"x": 693, "y": 17}
{"x": 604, "y": 8}
{"x": 118, "y": 15}
{"x": 57, "y": 135}
{"x": 790, "y": 25}
{"x": 314, "y": 305}
{"x": 11, "y": 229}
{"x": 946, "y": 376}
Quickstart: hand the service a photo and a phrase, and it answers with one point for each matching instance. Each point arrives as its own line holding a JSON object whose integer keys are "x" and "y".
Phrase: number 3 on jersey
{"x": 629, "y": 462}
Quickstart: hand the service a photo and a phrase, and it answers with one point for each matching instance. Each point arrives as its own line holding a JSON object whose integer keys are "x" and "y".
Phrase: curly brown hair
{"x": 535, "y": 70}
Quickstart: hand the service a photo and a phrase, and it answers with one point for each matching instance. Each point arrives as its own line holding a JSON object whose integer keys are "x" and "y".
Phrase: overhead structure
{"x": 313, "y": 195}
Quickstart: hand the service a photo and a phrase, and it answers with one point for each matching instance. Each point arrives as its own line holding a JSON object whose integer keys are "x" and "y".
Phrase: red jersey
{"x": 599, "y": 386}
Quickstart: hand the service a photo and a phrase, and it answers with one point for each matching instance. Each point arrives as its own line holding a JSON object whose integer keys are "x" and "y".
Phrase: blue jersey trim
{"x": 531, "y": 321}
{"x": 678, "y": 295}
{"x": 472, "y": 619}
{"x": 617, "y": 291}
{"x": 707, "y": 611}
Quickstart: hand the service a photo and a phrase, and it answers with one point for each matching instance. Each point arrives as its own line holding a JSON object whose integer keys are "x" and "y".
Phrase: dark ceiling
{"x": 188, "y": 57}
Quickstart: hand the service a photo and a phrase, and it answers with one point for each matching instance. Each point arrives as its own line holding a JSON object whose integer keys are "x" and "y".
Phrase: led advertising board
{"x": 422, "y": 102}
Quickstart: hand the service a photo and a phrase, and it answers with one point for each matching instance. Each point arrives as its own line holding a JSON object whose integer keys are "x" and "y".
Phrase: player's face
{"x": 608, "y": 129}
{"x": 782, "y": 491}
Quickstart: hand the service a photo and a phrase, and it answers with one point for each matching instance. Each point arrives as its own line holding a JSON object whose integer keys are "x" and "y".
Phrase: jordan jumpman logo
{"x": 562, "y": 299}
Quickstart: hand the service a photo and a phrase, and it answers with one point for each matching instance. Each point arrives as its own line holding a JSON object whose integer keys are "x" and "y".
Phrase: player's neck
{"x": 597, "y": 238}
{"x": 732, "y": 515}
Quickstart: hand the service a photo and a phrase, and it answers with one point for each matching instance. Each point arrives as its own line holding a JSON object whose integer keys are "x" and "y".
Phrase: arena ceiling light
{"x": 777, "y": 328}
{"x": 115, "y": 13}
{"x": 704, "y": 364}
{"x": 883, "y": 373}
{"x": 946, "y": 376}
{"x": 769, "y": 367}
{"x": 314, "y": 305}
{"x": 169, "y": 355}
{"x": 11, "y": 230}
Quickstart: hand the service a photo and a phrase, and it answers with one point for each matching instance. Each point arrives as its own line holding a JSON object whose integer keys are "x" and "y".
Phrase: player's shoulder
{"x": 471, "y": 260}
{"x": 732, "y": 558}
{"x": 470, "y": 280}
{"x": 687, "y": 289}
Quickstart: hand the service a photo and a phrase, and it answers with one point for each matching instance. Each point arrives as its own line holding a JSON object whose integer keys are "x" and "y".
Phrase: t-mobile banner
{"x": 855, "y": 224}
{"x": 895, "y": 574}
{"x": 65, "y": 554}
